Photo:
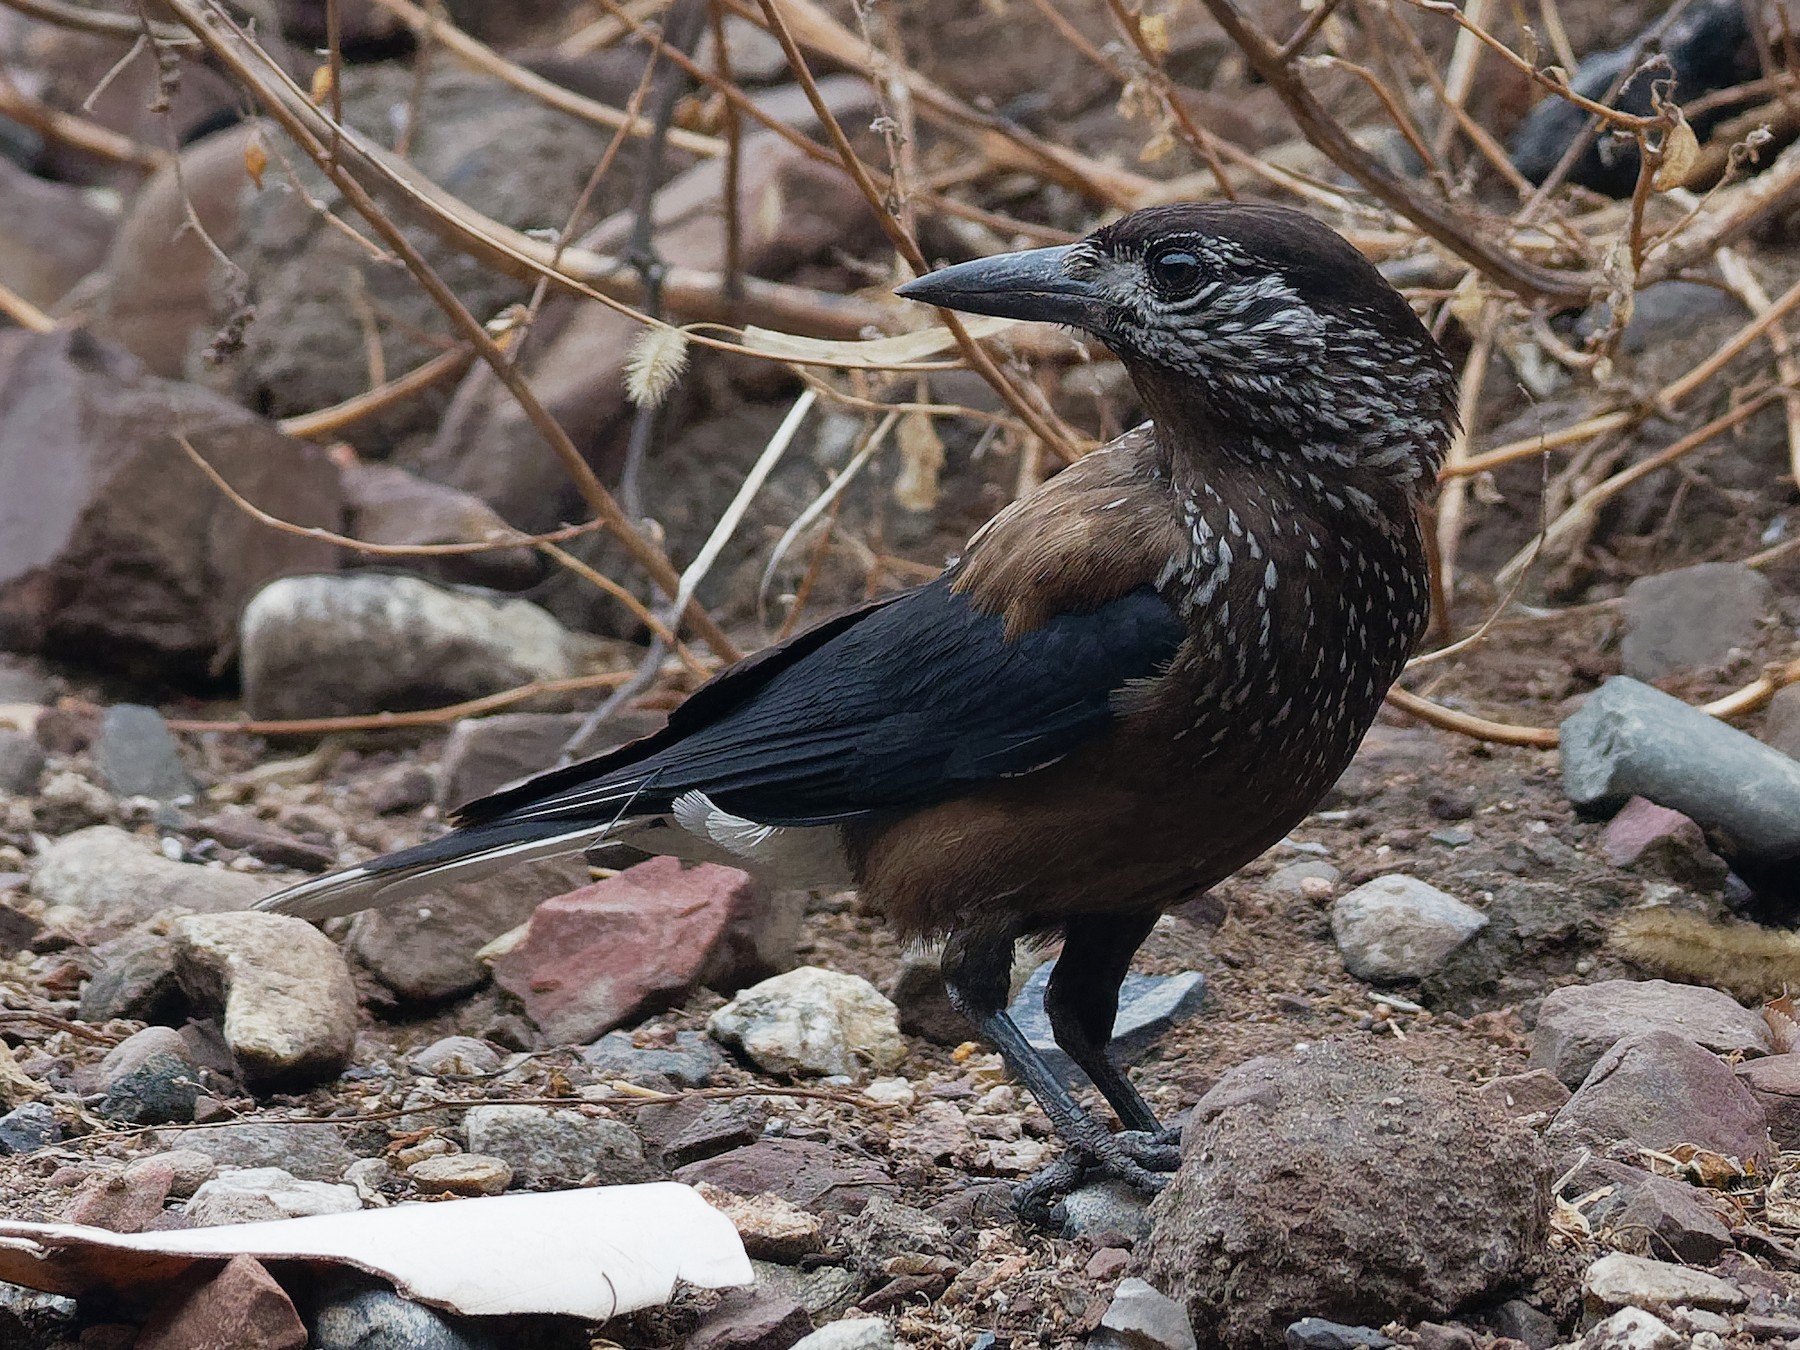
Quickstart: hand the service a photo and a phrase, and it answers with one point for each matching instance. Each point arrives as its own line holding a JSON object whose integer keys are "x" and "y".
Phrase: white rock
{"x": 290, "y": 1007}
{"x": 812, "y": 1022}
{"x": 102, "y": 879}
{"x": 1619, "y": 1280}
{"x": 1633, "y": 1329}
{"x": 1399, "y": 928}
{"x": 461, "y": 1174}
{"x": 240, "y": 1195}
{"x": 849, "y": 1333}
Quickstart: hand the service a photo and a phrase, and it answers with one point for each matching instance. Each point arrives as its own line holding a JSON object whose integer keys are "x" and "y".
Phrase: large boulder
{"x": 113, "y": 546}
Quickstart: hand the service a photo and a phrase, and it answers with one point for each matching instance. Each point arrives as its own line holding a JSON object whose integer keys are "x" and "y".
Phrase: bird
{"x": 1133, "y": 681}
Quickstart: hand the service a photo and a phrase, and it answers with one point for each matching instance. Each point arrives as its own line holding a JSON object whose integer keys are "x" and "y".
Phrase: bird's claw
{"x": 1142, "y": 1159}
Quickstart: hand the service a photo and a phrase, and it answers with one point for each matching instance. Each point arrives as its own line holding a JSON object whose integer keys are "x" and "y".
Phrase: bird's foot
{"x": 1142, "y": 1159}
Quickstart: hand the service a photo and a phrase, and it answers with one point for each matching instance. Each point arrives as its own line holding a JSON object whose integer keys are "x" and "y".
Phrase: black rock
{"x": 27, "y": 1128}
{"x": 1315, "y": 1333}
{"x": 1148, "y": 1006}
{"x": 160, "y": 1091}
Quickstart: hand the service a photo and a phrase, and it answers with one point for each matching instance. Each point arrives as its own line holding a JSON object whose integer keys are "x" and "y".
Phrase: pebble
{"x": 1775, "y": 1083}
{"x": 150, "y": 1078}
{"x": 1149, "y": 1006}
{"x": 379, "y": 1319}
{"x": 188, "y": 1169}
{"x": 27, "y": 1128}
{"x": 241, "y": 1306}
{"x": 253, "y": 1194}
{"x": 1316, "y": 1333}
{"x": 138, "y": 757}
{"x": 1143, "y": 1318}
{"x": 67, "y": 802}
{"x": 812, "y": 1022}
{"x": 1399, "y": 1226}
{"x": 1518, "y": 1320}
{"x": 750, "y": 1319}
{"x": 1292, "y": 878}
{"x": 461, "y": 1174}
{"x": 100, "y": 881}
{"x": 887, "y": 1230}
{"x": 290, "y": 1010}
{"x": 1107, "y": 1263}
{"x": 1579, "y": 1023}
{"x": 851, "y": 1333}
{"x": 1397, "y": 927}
{"x": 136, "y": 980}
{"x": 814, "y": 1176}
{"x": 1649, "y": 838}
{"x": 1628, "y": 739}
{"x": 1619, "y": 1280}
{"x": 1659, "y": 1089}
{"x": 21, "y": 764}
{"x": 1526, "y": 1094}
{"x": 1692, "y": 618}
{"x": 348, "y": 643}
{"x": 309, "y": 1150}
{"x": 456, "y": 1056}
{"x": 772, "y": 1229}
{"x": 689, "y": 1063}
{"x": 238, "y": 829}
{"x": 1633, "y": 1329}
{"x": 1102, "y": 1207}
{"x": 1667, "y": 1214}
{"x": 541, "y": 1145}
{"x": 122, "y": 1202}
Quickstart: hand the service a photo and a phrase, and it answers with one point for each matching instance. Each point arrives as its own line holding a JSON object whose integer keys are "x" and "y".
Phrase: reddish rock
{"x": 1645, "y": 1213}
{"x": 1579, "y": 1023}
{"x": 750, "y": 1319}
{"x": 388, "y": 505}
{"x": 1648, "y": 837}
{"x": 1775, "y": 1083}
{"x": 813, "y": 1176}
{"x": 126, "y": 1202}
{"x": 111, "y": 544}
{"x": 1526, "y": 1094}
{"x": 240, "y": 1308}
{"x": 1659, "y": 1090}
{"x": 596, "y": 957}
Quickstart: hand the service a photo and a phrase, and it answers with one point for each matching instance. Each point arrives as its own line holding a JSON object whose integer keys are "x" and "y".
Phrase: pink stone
{"x": 240, "y": 1308}
{"x": 1641, "y": 824}
{"x": 627, "y": 946}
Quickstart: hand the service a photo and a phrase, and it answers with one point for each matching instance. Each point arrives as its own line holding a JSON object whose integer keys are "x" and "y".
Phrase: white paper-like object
{"x": 587, "y": 1253}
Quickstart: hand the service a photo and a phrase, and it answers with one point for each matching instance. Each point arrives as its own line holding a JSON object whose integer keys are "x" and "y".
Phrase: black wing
{"x": 894, "y": 706}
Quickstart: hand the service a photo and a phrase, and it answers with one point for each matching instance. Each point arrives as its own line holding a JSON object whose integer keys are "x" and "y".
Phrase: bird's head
{"x": 1255, "y": 328}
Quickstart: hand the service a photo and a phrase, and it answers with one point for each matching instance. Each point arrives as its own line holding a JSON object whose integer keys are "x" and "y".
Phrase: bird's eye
{"x": 1175, "y": 272}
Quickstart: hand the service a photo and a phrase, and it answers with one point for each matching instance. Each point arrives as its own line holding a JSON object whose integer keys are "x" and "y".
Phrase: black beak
{"x": 1029, "y": 285}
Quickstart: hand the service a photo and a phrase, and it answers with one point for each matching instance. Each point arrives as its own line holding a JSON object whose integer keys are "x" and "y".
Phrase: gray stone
{"x": 1781, "y": 721}
{"x": 1291, "y": 879}
{"x": 289, "y": 1006}
{"x": 485, "y": 753}
{"x": 1102, "y": 1207}
{"x": 27, "y": 1128}
{"x": 1620, "y": 1280}
{"x": 101, "y": 881}
{"x": 150, "y": 1079}
{"x": 136, "y": 979}
{"x": 1659, "y": 1090}
{"x": 21, "y": 763}
{"x": 1149, "y": 1005}
{"x": 1775, "y": 1083}
{"x": 379, "y": 1319}
{"x": 692, "y": 1062}
{"x": 235, "y": 1196}
{"x": 812, "y": 1021}
{"x": 424, "y": 950}
{"x": 1396, "y": 1224}
{"x": 1397, "y": 928}
{"x": 457, "y": 1057}
{"x": 1646, "y": 1212}
{"x": 887, "y": 1231}
{"x": 1316, "y": 1333}
{"x": 543, "y": 1145}
{"x": 367, "y": 642}
{"x": 1630, "y": 740}
{"x": 188, "y": 1169}
{"x": 1143, "y": 1318}
{"x": 1692, "y": 618}
{"x": 1579, "y": 1023}
{"x": 1518, "y": 1320}
{"x": 851, "y": 1333}
{"x": 312, "y": 1152}
{"x": 138, "y": 756}
{"x": 28, "y": 1318}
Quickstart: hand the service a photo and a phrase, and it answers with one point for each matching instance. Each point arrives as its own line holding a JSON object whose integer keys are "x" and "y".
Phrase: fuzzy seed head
{"x": 657, "y": 359}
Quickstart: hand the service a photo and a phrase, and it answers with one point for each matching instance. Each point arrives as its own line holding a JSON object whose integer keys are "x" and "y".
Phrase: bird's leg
{"x": 1082, "y": 1001}
{"x": 977, "y": 972}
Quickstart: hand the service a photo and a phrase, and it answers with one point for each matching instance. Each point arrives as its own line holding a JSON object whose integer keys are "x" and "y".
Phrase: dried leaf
{"x": 888, "y": 353}
{"x": 256, "y": 159}
{"x": 1680, "y": 152}
{"x": 589, "y": 1253}
{"x": 657, "y": 359}
{"x": 321, "y": 85}
{"x": 1784, "y": 1023}
{"x": 921, "y": 461}
{"x": 1157, "y": 147}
